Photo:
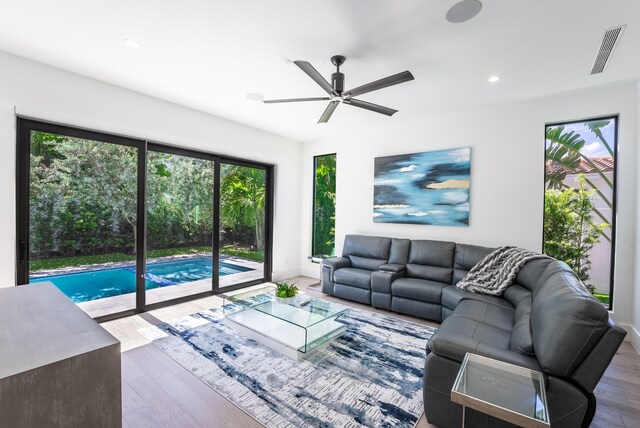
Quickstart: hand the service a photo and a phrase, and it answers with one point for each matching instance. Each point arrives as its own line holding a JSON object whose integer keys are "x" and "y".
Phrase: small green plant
{"x": 286, "y": 289}
{"x": 569, "y": 229}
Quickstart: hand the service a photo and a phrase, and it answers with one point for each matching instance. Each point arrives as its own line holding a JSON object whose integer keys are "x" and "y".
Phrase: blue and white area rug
{"x": 370, "y": 376}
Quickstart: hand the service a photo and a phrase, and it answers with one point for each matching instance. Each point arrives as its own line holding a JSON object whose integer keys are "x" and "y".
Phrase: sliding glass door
{"x": 121, "y": 225}
{"x": 80, "y": 227}
{"x": 180, "y": 211}
{"x": 243, "y": 223}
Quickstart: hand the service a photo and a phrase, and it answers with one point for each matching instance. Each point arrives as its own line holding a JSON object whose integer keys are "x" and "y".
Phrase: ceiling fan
{"x": 336, "y": 91}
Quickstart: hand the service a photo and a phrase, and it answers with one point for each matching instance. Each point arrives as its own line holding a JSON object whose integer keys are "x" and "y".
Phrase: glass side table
{"x": 512, "y": 393}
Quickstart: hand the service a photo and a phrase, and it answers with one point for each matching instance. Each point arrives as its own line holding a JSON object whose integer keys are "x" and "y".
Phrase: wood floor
{"x": 158, "y": 392}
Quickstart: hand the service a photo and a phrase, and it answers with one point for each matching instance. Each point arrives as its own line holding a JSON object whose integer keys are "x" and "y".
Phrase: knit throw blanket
{"x": 493, "y": 274}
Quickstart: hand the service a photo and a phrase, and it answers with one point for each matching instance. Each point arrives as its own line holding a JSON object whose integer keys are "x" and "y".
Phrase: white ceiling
{"x": 209, "y": 54}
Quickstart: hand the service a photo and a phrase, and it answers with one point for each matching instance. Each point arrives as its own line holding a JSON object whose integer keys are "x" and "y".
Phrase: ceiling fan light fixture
{"x": 494, "y": 79}
{"x": 255, "y": 96}
{"x": 134, "y": 44}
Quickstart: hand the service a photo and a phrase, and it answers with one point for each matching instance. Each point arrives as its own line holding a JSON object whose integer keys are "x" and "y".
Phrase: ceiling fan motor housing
{"x": 337, "y": 81}
{"x": 337, "y": 78}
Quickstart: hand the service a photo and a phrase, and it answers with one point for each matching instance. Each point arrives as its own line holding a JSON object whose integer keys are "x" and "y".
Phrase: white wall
{"x": 507, "y": 174}
{"x": 48, "y": 93}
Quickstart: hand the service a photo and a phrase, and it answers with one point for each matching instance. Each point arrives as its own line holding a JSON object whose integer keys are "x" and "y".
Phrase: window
{"x": 580, "y": 200}
{"x": 324, "y": 205}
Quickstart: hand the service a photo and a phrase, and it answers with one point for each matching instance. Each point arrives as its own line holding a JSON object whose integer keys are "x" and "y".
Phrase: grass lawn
{"x": 63, "y": 262}
{"x": 79, "y": 261}
{"x": 246, "y": 254}
{"x": 604, "y": 298}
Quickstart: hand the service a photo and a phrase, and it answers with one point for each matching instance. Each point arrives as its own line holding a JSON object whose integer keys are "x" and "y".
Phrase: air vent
{"x": 609, "y": 43}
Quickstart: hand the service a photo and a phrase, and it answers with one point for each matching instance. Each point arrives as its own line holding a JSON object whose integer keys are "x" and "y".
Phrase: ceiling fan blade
{"x": 405, "y": 76}
{"x": 317, "y": 77}
{"x": 296, "y": 100}
{"x": 370, "y": 106}
{"x": 328, "y": 111}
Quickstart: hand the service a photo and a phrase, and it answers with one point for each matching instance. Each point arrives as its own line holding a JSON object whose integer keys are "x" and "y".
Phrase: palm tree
{"x": 242, "y": 199}
{"x": 564, "y": 156}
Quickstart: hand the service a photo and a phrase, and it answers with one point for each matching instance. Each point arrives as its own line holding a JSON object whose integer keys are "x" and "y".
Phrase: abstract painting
{"x": 423, "y": 188}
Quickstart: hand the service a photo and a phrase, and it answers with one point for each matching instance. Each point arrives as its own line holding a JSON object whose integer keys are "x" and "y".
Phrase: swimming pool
{"x": 97, "y": 284}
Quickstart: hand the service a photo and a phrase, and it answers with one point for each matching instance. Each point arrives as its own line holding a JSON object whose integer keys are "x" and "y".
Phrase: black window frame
{"x": 614, "y": 201}
{"x": 25, "y": 125}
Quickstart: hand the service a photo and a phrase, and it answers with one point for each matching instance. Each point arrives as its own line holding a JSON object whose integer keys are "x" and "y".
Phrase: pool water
{"x": 97, "y": 284}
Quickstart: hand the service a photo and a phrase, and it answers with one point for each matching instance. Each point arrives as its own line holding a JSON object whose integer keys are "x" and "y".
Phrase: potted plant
{"x": 286, "y": 292}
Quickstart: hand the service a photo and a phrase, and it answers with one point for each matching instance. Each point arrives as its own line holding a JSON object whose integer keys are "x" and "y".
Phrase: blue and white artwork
{"x": 423, "y": 188}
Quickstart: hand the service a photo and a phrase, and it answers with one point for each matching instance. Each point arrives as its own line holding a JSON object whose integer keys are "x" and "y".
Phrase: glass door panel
{"x": 82, "y": 200}
{"x": 179, "y": 226}
{"x": 243, "y": 197}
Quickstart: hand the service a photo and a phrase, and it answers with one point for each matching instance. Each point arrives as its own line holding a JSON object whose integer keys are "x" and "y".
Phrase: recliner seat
{"x": 349, "y": 276}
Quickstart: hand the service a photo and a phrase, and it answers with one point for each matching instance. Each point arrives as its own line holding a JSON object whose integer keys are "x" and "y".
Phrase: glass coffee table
{"x": 294, "y": 329}
{"x": 512, "y": 393}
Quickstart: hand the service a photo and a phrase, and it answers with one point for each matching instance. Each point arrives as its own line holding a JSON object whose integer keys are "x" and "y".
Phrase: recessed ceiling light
{"x": 254, "y": 96}
{"x": 132, "y": 43}
{"x": 463, "y": 11}
{"x": 494, "y": 79}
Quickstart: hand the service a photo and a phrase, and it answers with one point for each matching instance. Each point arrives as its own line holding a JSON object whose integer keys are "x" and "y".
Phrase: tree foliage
{"x": 83, "y": 199}
{"x": 564, "y": 155}
{"x": 324, "y": 206}
{"x": 82, "y": 196}
{"x": 242, "y": 200}
{"x": 569, "y": 229}
{"x": 563, "y": 152}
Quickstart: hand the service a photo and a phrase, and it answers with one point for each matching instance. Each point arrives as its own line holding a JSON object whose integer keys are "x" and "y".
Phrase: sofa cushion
{"x": 418, "y": 289}
{"x": 432, "y": 253}
{"x": 566, "y": 321}
{"x": 458, "y": 335}
{"x": 433, "y": 273}
{"x": 552, "y": 268}
{"x": 452, "y": 296}
{"x": 366, "y": 263}
{"x": 467, "y": 256}
{"x": 372, "y": 247}
{"x": 399, "y": 251}
{"x": 521, "y": 337}
{"x": 530, "y": 273}
{"x": 486, "y": 313}
{"x": 515, "y": 293}
{"x": 354, "y": 277}
{"x": 431, "y": 260}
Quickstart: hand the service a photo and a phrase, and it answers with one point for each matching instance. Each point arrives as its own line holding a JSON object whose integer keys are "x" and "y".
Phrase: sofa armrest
{"x": 392, "y": 267}
{"x": 381, "y": 280}
{"x": 335, "y": 263}
{"x": 455, "y": 347}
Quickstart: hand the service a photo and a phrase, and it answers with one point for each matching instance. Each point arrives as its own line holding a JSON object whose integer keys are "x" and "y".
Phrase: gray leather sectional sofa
{"x": 546, "y": 320}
